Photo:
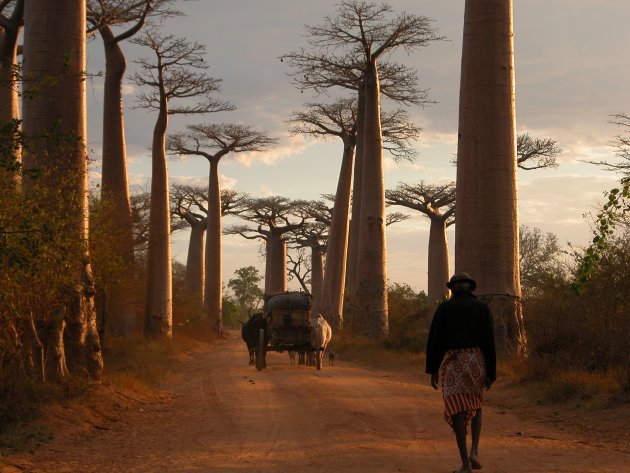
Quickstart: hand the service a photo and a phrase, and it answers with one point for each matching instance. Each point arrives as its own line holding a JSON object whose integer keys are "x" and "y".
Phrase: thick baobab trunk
{"x": 317, "y": 276}
{"x": 121, "y": 303}
{"x": 54, "y": 352}
{"x": 275, "y": 264}
{"x": 213, "y": 300}
{"x": 371, "y": 319}
{"x": 438, "y": 271}
{"x": 81, "y": 334}
{"x": 486, "y": 243}
{"x": 54, "y": 46}
{"x": 158, "y": 319}
{"x": 9, "y": 102}
{"x": 357, "y": 190}
{"x": 195, "y": 264}
{"x": 336, "y": 249}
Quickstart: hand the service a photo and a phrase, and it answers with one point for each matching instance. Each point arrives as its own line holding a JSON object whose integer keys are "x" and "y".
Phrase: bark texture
{"x": 54, "y": 352}
{"x": 195, "y": 262}
{"x": 438, "y": 270}
{"x": 317, "y": 276}
{"x": 115, "y": 189}
{"x": 371, "y": 319}
{"x": 486, "y": 243}
{"x": 275, "y": 264}
{"x": 158, "y": 320}
{"x": 332, "y": 293}
{"x": 9, "y": 101}
{"x": 357, "y": 191}
{"x": 81, "y": 335}
{"x": 54, "y": 46}
{"x": 213, "y": 291}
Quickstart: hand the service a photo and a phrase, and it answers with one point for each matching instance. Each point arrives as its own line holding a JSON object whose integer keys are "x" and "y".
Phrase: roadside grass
{"x": 537, "y": 380}
{"x": 375, "y": 354}
{"x": 547, "y": 383}
{"x": 139, "y": 364}
{"x": 22, "y": 406}
{"x": 135, "y": 365}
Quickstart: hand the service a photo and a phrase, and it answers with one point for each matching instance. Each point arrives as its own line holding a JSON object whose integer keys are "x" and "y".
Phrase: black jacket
{"x": 463, "y": 321}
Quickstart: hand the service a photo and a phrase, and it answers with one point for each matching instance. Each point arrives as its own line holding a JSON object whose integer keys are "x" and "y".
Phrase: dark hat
{"x": 461, "y": 276}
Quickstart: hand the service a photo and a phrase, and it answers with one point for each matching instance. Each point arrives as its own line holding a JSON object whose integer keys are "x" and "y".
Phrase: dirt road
{"x": 220, "y": 415}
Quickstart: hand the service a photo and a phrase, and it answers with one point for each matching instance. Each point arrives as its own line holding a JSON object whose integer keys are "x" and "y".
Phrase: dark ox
{"x": 250, "y": 333}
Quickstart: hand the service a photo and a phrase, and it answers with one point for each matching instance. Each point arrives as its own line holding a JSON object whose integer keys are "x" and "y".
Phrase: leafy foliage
{"x": 409, "y": 318}
{"x": 540, "y": 260}
{"x": 245, "y": 287}
{"x": 614, "y": 210}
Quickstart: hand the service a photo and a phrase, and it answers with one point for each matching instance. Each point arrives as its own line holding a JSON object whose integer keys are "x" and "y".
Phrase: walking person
{"x": 461, "y": 341}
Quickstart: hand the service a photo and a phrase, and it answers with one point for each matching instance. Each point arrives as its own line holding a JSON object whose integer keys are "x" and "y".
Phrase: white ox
{"x": 320, "y": 338}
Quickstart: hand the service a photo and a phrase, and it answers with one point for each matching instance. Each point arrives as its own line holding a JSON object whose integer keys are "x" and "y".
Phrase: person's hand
{"x": 434, "y": 380}
{"x": 488, "y": 382}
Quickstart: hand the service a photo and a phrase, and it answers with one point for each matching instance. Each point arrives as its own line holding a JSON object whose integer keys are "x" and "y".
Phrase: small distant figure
{"x": 331, "y": 357}
{"x": 291, "y": 357}
{"x": 461, "y": 340}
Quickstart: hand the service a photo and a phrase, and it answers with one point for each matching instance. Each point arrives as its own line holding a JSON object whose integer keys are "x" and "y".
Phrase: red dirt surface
{"x": 217, "y": 414}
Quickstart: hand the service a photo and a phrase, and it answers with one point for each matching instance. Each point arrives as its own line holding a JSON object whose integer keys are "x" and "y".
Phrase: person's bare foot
{"x": 474, "y": 463}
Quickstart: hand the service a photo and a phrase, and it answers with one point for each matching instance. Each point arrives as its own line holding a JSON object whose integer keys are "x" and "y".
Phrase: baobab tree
{"x": 313, "y": 236}
{"x": 54, "y": 122}
{"x": 190, "y": 204}
{"x": 536, "y": 153}
{"x": 140, "y": 212}
{"x": 532, "y": 153}
{"x": 340, "y": 120}
{"x": 274, "y": 217}
{"x": 108, "y": 17}
{"x": 175, "y": 72}
{"x": 430, "y": 199}
{"x": 299, "y": 268}
{"x": 621, "y": 146}
{"x": 11, "y": 22}
{"x": 324, "y": 121}
{"x": 213, "y": 142}
{"x": 362, "y": 34}
{"x": 486, "y": 237}
{"x": 327, "y": 64}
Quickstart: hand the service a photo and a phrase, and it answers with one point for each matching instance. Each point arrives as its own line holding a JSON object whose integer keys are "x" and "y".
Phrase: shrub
{"x": 409, "y": 318}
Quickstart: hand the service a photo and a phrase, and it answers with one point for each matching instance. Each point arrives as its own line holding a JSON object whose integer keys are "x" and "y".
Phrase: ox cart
{"x": 288, "y": 325}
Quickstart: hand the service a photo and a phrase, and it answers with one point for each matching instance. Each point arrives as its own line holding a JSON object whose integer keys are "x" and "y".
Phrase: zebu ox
{"x": 320, "y": 338}
{"x": 251, "y": 332}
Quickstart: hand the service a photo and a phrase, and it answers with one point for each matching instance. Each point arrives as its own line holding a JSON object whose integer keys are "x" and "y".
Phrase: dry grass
{"x": 372, "y": 353}
{"x": 548, "y": 385}
{"x": 21, "y": 408}
{"x": 535, "y": 380}
{"x": 139, "y": 364}
{"x": 133, "y": 366}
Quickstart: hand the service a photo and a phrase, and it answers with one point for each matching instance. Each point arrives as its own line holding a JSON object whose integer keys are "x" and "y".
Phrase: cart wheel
{"x": 260, "y": 351}
{"x": 318, "y": 360}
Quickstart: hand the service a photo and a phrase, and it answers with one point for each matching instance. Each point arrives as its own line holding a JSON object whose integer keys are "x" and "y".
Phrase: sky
{"x": 571, "y": 75}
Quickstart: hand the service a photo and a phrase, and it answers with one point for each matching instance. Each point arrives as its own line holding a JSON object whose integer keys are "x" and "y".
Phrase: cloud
{"x": 139, "y": 182}
{"x": 202, "y": 181}
{"x": 289, "y": 146}
{"x": 559, "y": 203}
{"x": 431, "y": 137}
{"x": 266, "y": 191}
{"x": 129, "y": 89}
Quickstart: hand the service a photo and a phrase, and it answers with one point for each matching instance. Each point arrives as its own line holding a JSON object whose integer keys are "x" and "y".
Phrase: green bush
{"x": 409, "y": 318}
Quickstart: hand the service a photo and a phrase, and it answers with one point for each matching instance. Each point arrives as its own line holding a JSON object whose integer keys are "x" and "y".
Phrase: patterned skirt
{"x": 463, "y": 382}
